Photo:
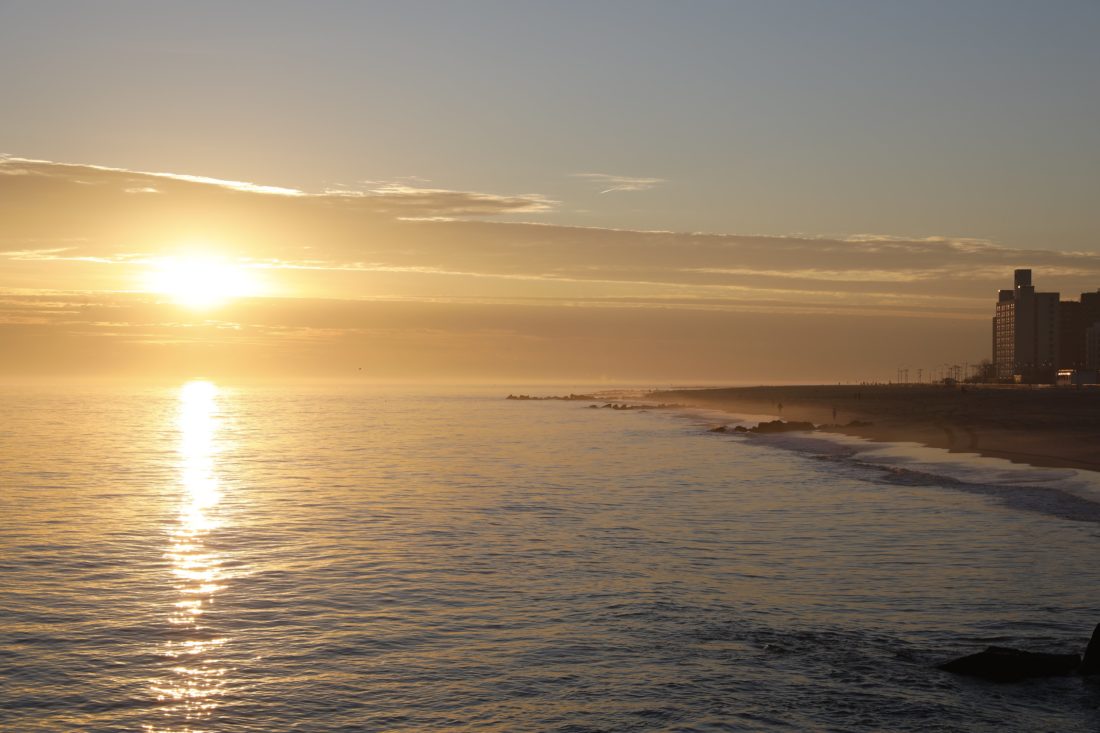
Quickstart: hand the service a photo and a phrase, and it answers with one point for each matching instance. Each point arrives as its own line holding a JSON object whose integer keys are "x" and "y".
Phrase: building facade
{"x": 1071, "y": 335}
{"x": 1092, "y": 347}
{"x": 1026, "y": 333}
{"x": 1076, "y": 318}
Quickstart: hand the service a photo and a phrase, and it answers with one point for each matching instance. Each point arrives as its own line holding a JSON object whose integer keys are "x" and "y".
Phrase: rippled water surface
{"x": 209, "y": 558}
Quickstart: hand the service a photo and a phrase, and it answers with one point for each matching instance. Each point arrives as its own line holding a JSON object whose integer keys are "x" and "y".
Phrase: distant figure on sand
{"x": 780, "y": 407}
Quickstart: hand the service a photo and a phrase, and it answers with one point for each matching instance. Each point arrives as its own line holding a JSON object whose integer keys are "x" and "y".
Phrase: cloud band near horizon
{"x": 87, "y": 232}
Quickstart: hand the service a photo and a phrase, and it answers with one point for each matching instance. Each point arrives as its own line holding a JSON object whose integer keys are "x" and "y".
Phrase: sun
{"x": 201, "y": 282}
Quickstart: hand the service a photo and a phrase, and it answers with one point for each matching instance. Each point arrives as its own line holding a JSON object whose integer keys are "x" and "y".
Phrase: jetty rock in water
{"x": 1091, "y": 665}
{"x": 780, "y": 426}
{"x": 774, "y": 426}
{"x": 1002, "y": 664}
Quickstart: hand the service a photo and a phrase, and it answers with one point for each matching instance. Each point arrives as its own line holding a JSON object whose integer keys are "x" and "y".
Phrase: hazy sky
{"x": 471, "y": 181}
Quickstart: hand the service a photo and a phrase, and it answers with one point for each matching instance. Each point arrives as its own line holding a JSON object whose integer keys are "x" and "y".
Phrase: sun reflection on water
{"x": 196, "y": 676}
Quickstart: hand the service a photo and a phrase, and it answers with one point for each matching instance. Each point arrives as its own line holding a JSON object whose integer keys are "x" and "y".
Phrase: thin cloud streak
{"x": 393, "y": 198}
{"x": 13, "y": 166}
{"x": 620, "y": 183}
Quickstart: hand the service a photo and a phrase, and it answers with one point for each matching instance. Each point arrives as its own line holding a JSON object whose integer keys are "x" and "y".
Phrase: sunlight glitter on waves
{"x": 191, "y": 693}
{"x": 194, "y": 567}
{"x": 192, "y": 647}
{"x": 192, "y": 516}
{"x": 197, "y": 425}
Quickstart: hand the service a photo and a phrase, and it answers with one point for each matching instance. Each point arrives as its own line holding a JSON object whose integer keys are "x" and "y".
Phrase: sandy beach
{"x": 1037, "y": 426}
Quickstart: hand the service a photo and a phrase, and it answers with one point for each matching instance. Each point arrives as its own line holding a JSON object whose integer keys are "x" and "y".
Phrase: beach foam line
{"x": 1068, "y": 493}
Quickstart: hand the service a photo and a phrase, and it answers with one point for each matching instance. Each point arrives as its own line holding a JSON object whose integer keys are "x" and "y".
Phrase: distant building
{"x": 1092, "y": 347}
{"x": 1074, "y": 320}
{"x": 1025, "y": 333}
{"x": 1090, "y": 308}
{"x": 1038, "y": 339}
{"x": 1071, "y": 335}
{"x": 1090, "y": 318}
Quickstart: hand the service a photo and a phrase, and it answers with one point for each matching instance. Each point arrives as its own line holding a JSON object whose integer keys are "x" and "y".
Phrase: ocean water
{"x": 210, "y": 558}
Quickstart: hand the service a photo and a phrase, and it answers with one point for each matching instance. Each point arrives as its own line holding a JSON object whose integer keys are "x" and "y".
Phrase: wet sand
{"x": 1036, "y": 426}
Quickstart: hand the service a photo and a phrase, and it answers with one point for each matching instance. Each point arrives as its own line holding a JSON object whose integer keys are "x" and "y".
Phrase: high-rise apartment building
{"x": 1075, "y": 318}
{"x": 1025, "y": 333}
{"x": 1090, "y": 323}
{"x": 1090, "y": 308}
{"x": 1071, "y": 335}
{"x": 1092, "y": 347}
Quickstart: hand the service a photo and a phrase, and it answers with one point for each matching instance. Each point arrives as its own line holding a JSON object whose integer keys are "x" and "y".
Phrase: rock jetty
{"x": 594, "y": 398}
{"x": 1003, "y": 664}
{"x": 568, "y": 398}
{"x": 772, "y": 426}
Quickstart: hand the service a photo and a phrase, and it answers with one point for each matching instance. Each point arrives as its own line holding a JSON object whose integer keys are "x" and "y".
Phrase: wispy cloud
{"x": 12, "y": 166}
{"x": 51, "y": 253}
{"x": 611, "y": 183}
{"x": 396, "y": 199}
{"x": 439, "y": 203}
{"x": 400, "y": 238}
{"x": 839, "y": 276}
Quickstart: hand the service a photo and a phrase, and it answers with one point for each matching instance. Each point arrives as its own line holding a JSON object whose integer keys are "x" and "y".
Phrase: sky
{"x": 717, "y": 192}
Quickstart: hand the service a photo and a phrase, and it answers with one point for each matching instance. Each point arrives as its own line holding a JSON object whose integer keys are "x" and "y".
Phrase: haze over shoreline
{"x": 1040, "y": 427}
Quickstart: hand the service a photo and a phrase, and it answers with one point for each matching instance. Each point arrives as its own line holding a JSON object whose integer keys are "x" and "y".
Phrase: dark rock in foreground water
{"x": 1091, "y": 665}
{"x": 1001, "y": 664}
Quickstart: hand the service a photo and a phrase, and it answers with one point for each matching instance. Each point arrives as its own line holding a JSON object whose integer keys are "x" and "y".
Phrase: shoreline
{"x": 1053, "y": 428}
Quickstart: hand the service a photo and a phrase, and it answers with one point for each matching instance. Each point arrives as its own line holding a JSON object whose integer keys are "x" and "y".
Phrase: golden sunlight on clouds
{"x": 420, "y": 284}
{"x": 201, "y": 282}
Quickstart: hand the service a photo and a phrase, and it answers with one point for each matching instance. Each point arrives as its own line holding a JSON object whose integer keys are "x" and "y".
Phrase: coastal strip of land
{"x": 1037, "y": 426}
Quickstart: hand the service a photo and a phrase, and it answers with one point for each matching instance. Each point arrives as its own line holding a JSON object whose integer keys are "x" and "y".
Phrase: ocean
{"x": 217, "y": 559}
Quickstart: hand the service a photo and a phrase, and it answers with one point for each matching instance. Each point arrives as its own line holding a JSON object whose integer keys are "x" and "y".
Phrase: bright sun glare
{"x": 201, "y": 282}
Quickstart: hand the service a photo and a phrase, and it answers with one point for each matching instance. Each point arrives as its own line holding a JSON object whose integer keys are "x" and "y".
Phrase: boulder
{"x": 1091, "y": 665}
{"x": 1002, "y": 664}
{"x": 719, "y": 429}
